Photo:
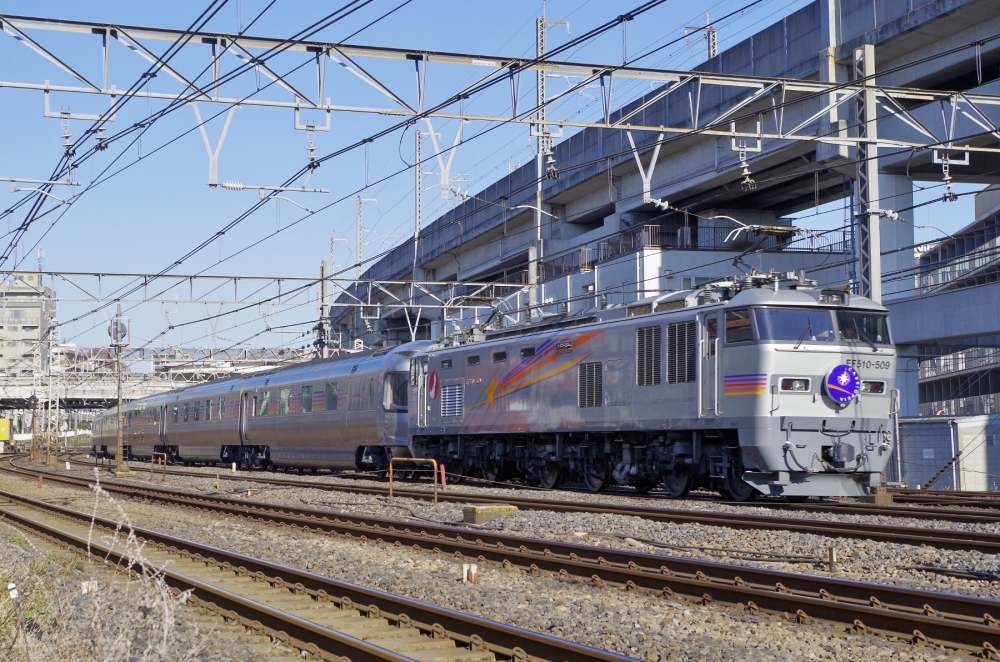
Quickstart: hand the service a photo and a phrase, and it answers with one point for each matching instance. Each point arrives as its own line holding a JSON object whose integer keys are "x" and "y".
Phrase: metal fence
{"x": 689, "y": 238}
{"x": 968, "y": 359}
{"x": 971, "y": 406}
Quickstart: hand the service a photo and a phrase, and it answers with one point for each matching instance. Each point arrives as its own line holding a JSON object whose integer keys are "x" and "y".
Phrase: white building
{"x": 27, "y": 312}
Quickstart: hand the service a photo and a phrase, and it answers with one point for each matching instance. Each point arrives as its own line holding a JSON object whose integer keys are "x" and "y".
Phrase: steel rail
{"x": 920, "y": 616}
{"x": 476, "y": 633}
{"x": 987, "y": 543}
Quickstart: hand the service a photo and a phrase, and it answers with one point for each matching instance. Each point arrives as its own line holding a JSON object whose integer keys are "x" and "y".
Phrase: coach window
{"x": 473, "y": 360}
{"x": 222, "y": 407}
{"x": 394, "y": 392}
{"x": 208, "y": 410}
{"x": 185, "y": 412}
{"x": 283, "y": 400}
{"x": 331, "y": 397}
{"x": 527, "y": 352}
{"x": 499, "y": 357}
{"x": 738, "y": 328}
{"x": 175, "y": 413}
{"x": 307, "y": 399}
{"x": 265, "y": 402}
{"x": 197, "y": 409}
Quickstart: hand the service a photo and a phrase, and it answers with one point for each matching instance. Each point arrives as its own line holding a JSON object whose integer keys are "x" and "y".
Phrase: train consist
{"x": 758, "y": 385}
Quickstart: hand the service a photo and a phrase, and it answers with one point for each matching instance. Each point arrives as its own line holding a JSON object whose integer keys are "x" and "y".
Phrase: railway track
{"x": 953, "y": 621}
{"x": 318, "y": 617}
{"x": 988, "y": 543}
{"x": 925, "y": 511}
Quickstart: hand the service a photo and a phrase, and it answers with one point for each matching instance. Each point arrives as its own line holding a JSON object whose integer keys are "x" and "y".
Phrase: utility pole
{"x": 119, "y": 332}
{"x": 360, "y": 231}
{"x": 48, "y": 402}
{"x": 543, "y": 139}
{"x": 711, "y": 37}
{"x": 418, "y": 198}
{"x": 869, "y": 231}
{"x": 322, "y": 336}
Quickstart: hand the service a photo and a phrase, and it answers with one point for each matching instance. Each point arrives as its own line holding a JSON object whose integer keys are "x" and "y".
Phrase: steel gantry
{"x": 770, "y": 99}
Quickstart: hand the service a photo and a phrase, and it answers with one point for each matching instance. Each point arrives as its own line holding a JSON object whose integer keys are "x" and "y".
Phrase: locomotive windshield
{"x": 870, "y": 328}
{"x": 796, "y": 325}
{"x": 394, "y": 392}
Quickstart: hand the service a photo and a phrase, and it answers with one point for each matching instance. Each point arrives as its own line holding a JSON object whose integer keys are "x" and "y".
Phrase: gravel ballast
{"x": 635, "y": 624}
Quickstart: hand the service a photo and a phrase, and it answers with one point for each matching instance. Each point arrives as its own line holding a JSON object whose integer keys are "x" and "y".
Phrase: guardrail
{"x": 967, "y": 359}
{"x": 415, "y": 459}
{"x": 975, "y": 405}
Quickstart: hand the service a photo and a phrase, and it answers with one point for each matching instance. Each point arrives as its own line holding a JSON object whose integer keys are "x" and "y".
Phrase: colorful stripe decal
{"x": 754, "y": 384}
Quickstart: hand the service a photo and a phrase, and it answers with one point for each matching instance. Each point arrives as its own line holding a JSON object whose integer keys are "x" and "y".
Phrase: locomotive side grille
{"x": 647, "y": 359}
{"x": 591, "y": 385}
{"x": 681, "y": 352}
{"x": 452, "y": 400}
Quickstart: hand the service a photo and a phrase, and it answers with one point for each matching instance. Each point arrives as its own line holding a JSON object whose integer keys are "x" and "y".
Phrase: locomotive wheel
{"x": 597, "y": 476}
{"x": 737, "y": 489}
{"x": 549, "y": 476}
{"x": 492, "y": 471}
{"x": 677, "y": 483}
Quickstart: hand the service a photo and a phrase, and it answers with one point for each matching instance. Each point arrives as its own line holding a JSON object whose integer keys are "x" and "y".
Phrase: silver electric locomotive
{"x": 757, "y": 385}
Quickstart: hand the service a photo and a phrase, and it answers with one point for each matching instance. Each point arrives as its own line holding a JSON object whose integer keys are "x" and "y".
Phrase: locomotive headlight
{"x": 789, "y": 384}
{"x": 833, "y": 297}
{"x": 873, "y": 387}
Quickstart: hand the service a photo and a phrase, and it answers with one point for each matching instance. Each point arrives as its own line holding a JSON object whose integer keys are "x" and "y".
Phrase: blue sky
{"x": 156, "y": 210}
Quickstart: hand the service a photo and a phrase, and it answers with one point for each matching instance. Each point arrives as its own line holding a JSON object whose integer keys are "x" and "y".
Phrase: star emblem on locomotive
{"x": 491, "y": 390}
{"x": 844, "y": 379}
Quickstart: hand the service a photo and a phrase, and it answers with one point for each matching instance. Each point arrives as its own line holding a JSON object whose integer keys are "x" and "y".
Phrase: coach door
{"x": 245, "y": 404}
{"x": 709, "y": 369}
{"x": 163, "y": 425}
{"x": 422, "y": 404}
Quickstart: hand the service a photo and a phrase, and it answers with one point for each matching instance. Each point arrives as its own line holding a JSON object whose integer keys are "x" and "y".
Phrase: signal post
{"x": 119, "y": 341}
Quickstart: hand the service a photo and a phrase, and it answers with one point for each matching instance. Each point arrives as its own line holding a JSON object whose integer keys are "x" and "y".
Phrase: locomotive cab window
{"x": 856, "y": 326}
{"x": 795, "y": 325}
{"x": 738, "y": 327}
{"x": 394, "y": 392}
{"x": 527, "y": 352}
{"x": 307, "y": 399}
{"x": 445, "y": 364}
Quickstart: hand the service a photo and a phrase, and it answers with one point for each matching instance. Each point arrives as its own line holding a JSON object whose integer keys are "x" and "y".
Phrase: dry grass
{"x": 77, "y": 609}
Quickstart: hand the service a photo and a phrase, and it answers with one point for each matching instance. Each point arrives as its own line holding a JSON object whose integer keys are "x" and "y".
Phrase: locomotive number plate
{"x": 862, "y": 364}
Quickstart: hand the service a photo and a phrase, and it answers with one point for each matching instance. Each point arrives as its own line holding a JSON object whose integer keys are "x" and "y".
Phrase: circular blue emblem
{"x": 843, "y": 384}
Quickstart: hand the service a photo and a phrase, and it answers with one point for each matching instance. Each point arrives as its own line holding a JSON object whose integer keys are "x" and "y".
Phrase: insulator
{"x": 233, "y": 186}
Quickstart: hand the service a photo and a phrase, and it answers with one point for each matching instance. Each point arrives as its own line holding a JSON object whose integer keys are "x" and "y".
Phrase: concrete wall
{"x": 927, "y": 444}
